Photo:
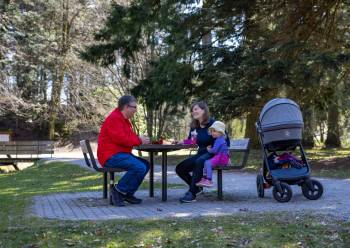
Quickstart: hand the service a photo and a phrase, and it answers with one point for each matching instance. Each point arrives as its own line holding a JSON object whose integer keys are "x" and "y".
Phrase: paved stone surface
{"x": 239, "y": 197}
{"x": 239, "y": 193}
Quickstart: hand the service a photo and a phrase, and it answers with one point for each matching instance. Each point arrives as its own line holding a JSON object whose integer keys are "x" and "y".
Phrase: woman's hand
{"x": 144, "y": 139}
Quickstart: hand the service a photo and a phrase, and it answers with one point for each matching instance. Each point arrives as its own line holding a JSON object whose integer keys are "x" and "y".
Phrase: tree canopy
{"x": 233, "y": 54}
{"x": 236, "y": 55}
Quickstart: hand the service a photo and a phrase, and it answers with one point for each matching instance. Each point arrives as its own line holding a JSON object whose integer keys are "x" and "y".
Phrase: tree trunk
{"x": 321, "y": 132}
{"x": 57, "y": 85}
{"x": 149, "y": 122}
{"x": 250, "y": 131}
{"x": 333, "y": 136}
{"x": 206, "y": 42}
{"x": 308, "y": 134}
{"x": 55, "y": 103}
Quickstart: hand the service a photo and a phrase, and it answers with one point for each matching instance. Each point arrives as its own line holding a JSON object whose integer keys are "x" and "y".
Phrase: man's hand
{"x": 144, "y": 139}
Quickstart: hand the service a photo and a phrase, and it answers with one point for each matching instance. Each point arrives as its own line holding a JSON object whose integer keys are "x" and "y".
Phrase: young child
{"x": 220, "y": 149}
{"x": 287, "y": 160}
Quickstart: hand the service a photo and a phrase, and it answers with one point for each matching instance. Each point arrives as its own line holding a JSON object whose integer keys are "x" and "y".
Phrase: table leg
{"x": 164, "y": 176}
{"x": 151, "y": 175}
{"x": 105, "y": 190}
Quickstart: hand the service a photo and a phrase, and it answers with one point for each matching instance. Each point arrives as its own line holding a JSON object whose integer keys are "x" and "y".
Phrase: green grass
{"x": 19, "y": 229}
{"x": 318, "y": 154}
{"x": 235, "y": 231}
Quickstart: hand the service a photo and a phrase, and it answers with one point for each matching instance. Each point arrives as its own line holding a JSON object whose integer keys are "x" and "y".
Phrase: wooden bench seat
{"x": 91, "y": 162}
{"x": 24, "y": 151}
{"x": 236, "y": 146}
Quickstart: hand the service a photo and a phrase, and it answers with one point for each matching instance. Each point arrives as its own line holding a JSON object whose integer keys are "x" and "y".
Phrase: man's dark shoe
{"x": 117, "y": 198}
{"x": 132, "y": 199}
{"x": 188, "y": 197}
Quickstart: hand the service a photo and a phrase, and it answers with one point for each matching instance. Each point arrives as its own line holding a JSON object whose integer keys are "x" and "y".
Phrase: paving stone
{"x": 240, "y": 197}
{"x": 91, "y": 206}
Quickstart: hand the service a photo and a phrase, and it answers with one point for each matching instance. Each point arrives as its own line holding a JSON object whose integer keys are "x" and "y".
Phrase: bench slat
{"x": 228, "y": 167}
{"x": 33, "y": 152}
{"x": 239, "y": 144}
{"x": 25, "y": 150}
{"x": 25, "y": 142}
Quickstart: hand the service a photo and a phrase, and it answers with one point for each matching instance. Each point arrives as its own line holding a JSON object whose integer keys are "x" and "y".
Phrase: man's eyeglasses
{"x": 130, "y": 106}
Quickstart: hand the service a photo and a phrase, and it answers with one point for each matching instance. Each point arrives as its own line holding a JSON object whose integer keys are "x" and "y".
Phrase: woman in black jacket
{"x": 201, "y": 121}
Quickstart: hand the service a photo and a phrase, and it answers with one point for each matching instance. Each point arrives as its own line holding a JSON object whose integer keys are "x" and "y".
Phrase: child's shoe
{"x": 200, "y": 182}
{"x": 205, "y": 183}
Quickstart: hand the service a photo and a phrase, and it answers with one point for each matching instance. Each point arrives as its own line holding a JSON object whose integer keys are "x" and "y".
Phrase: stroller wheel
{"x": 260, "y": 185}
{"x": 312, "y": 189}
{"x": 284, "y": 194}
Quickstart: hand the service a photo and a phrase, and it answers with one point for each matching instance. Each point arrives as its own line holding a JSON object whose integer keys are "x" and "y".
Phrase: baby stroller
{"x": 279, "y": 129}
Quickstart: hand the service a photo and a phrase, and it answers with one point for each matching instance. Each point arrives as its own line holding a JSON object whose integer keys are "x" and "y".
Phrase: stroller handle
{"x": 258, "y": 128}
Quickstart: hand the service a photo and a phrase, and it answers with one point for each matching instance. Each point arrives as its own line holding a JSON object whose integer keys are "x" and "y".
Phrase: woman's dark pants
{"x": 194, "y": 164}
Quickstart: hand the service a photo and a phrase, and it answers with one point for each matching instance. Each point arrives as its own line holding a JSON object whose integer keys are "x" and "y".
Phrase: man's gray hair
{"x": 125, "y": 100}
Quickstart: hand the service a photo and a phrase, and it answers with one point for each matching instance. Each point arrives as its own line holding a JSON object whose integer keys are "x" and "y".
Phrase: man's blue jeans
{"x": 136, "y": 168}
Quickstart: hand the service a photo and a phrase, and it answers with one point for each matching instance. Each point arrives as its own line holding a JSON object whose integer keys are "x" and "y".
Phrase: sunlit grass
{"x": 319, "y": 153}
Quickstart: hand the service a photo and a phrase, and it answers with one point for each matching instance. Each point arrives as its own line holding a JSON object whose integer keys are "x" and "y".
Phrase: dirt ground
{"x": 334, "y": 163}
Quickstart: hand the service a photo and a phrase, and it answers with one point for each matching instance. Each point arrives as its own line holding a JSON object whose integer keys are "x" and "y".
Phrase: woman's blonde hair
{"x": 206, "y": 115}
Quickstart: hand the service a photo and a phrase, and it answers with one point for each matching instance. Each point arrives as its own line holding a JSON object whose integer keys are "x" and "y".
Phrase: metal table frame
{"x": 164, "y": 149}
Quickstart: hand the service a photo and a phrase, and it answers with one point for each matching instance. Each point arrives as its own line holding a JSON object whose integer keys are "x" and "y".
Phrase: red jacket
{"x": 116, "y": 135}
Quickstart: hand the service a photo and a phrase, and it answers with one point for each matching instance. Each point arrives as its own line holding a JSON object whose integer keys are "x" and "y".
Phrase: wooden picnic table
{"x": 164, "y": 149}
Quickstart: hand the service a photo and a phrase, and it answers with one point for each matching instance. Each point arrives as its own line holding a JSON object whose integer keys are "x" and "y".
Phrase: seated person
{"x": 115, "y": 143}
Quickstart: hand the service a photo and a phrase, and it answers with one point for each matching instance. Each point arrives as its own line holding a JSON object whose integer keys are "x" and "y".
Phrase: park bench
{"x": 91, "y": 162}
{"x": 14, "y": 152}
{"x": 237, "y": 146}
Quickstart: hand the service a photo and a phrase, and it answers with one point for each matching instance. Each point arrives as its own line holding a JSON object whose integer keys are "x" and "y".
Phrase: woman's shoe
{"x": 199, "y": 191}
{"x": 188, "y": 197}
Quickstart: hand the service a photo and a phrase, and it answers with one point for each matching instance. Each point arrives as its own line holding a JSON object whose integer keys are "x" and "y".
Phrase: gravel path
{"x": 239, "y": 196}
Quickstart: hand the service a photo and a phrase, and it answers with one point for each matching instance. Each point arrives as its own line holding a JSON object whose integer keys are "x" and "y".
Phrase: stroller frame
{"x": 282, "y": 192}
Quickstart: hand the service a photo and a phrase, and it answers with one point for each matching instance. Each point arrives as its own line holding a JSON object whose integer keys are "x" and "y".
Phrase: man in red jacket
{"x": 115, "y": 143}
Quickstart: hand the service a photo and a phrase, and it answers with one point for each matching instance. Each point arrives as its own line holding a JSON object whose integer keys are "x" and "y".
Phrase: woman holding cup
{"x": 199, "y": 134}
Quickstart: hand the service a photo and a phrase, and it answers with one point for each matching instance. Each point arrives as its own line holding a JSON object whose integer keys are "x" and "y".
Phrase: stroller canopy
{"x": 280, "y": 113}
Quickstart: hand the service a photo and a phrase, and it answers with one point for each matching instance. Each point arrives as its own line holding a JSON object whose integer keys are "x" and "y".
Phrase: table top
{"x": 163, "y": 148}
